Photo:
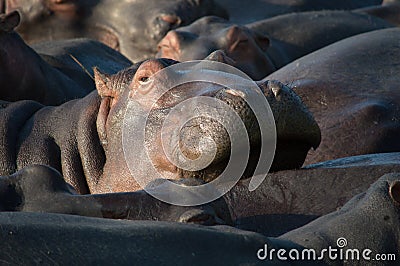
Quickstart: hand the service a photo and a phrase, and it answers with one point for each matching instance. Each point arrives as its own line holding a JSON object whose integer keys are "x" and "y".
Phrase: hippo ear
{"x": 105, "y": 35}
{"x": 9, "y": 21}
{"x": 394, "y": 191}
{"x": 102, "y": 82}
{"x": 261, "y": 40}
{"x": 173, "y": 20}
{"x": 220, "y": 56}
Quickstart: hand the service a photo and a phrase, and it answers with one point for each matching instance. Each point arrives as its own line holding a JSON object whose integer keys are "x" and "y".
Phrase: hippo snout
{"x": 297, "y": 130}
{"x": 202, "y": 147}
{"x": 206, "y": 141}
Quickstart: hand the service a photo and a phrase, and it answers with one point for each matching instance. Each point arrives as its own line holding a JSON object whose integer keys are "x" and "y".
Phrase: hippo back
{"x": 351, "y": 88}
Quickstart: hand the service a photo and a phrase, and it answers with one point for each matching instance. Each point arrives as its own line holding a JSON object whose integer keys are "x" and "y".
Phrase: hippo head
{"x": 14, "y": 76}
{"x": 194, "y": 42}
{"x": 43, "y": 20}
{"x": 140, "y": 25}
{"x": 296, "y": 129}
{"x": 132, "y": 27}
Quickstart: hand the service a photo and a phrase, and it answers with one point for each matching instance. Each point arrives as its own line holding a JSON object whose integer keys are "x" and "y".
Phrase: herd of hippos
{"x": 330, "y": 71}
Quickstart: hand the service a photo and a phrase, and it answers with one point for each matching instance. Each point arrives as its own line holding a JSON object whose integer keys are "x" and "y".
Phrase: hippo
{"x": 388, "y": 10}
{"x": 240, "y": 12}
{"x": 25, "y": 75}
{"x": 40, "y": 188}
{"x": 67, "y": 239}
{"x": 132, "y": 27}
{"x": 50, "y": 75}
{"x": 76, "y": 58}
{"x": 285, "y": 201}
{"x": 260, "y": 48}
{"x": 82, "y": 138}
{"x": 356, "y": 106}
{"x": 368, "y": 221}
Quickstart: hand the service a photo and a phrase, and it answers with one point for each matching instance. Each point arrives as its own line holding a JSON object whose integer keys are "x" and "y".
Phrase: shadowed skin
{"x": 246, "y": 12}
{"x": 389, "y": 11}
{"x": 284, "y": 201}
{"x": 261, "y": 47}
{"x": 77, "y": 57}
{"x": 83, "y": 138}
{"x": 48, "y": 74}
{"x": 368, "y": 220}
{"x": 25, "y": 75}
{"x": 357, "y": 106}
{"x": 132, "y": 27}
{"x": 66, "y": 239}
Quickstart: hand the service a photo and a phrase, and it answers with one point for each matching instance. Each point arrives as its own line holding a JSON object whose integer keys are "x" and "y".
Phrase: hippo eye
{"x": 144, "y": 80}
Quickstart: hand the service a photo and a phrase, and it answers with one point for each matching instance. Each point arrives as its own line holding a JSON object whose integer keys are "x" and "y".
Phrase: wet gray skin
{"x": 261, "y": 47}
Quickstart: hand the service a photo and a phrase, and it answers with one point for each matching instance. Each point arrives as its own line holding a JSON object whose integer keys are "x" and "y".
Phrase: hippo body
{"x": 76, "y": 58}
{"x": 68, "y": 239}
{"x": 291, "y": 198}
{"x": 131, "y": 27}
{"x": 82, "y": 138}
{"x": 286, "y": 200}
{"x": 389, "y": 11}
{"x": 25, "y": 75}
{"x": 369, "y": 220}
{"x": 261, "y": 47}
{"x": 48, "y": 73}
{"x": 357, "y": 106}
{"x": 241, "y": 12}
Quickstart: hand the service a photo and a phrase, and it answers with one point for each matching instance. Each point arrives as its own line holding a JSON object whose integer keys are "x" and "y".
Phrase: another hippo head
{"x": 140, "y": 25}
{"x": 246, "y": 47}
{"x": 296, "y": 129}
{"x": 132, "y": 27}
{"x": 14, "y": 76}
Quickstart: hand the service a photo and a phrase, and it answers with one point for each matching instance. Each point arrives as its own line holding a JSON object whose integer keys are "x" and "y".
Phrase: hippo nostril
{"x": 220, "y": 56}
{"x": 394, "y": 191}
{"x": 169, "y": 47}
{"x": 200, "y": 216}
